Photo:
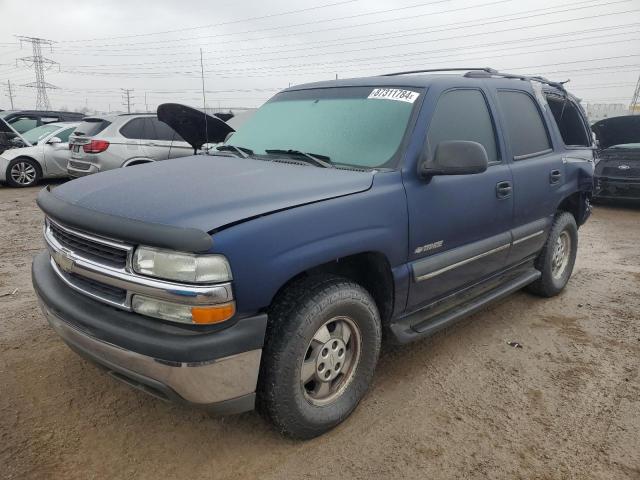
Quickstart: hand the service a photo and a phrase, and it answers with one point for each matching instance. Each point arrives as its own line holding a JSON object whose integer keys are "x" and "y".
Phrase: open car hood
{"x": 8, "y": 136}
{"x": 617, "y": 130}
{"x": 195, "y": 127}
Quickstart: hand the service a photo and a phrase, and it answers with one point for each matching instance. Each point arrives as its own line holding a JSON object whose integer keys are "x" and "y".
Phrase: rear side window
{"x": 463, "y": 115}
{"x": 136, "y": 129}
{"x": 164, "y": 131}
{"x": 569, "y": 120}
{"x": 525, "y": 127}
{"x": 91, "y": 127}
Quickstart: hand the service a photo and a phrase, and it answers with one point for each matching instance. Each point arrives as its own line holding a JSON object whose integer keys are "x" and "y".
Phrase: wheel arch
{"x": 577, "y": 204}
{"x": 369, "y": 269}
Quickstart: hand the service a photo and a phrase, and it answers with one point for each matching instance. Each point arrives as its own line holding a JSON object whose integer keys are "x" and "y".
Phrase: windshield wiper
{"x": 242, "y": 151}
{"x": 320, "y": 160}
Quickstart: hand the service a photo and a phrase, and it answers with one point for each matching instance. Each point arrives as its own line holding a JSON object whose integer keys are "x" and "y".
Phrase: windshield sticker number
{"x": 394, "y": 94}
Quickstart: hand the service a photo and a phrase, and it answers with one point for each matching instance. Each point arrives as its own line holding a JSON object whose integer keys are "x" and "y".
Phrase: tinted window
{"x": 134, "y": 129}
{"x": 164, "y": 131}
{"x": 525, "y": 128}
{"x": 91, "y": 127}
{"x": 463, "y": 115}
{"x": 64, "y": 134}
{"x": 23, "y": 124}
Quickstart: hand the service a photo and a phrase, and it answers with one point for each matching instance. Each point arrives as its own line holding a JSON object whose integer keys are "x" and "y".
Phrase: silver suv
{"x": 114, "y": 141}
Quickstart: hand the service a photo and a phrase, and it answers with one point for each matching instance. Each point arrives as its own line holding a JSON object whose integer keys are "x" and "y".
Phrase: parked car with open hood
{"x": 617, "y": 174}
{"x": 45, "y": 155}
{"x": 265, "y": 274}
{"x": 104, "y": 143}
{"x": 9, "y": 137}
{"x": 24, "y": 120}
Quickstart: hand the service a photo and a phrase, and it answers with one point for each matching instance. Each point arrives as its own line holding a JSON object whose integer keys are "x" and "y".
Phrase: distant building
{"x": 599, "y": 111}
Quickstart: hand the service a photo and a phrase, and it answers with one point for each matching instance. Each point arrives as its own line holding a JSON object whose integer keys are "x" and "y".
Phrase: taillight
{"x": 95, "y": 146}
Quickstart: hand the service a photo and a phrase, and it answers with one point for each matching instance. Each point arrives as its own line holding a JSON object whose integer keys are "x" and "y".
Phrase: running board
{"x": 415, "y": 326}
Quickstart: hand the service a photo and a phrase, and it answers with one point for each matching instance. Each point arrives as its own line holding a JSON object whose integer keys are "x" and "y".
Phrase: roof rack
{"x": 485, "y": 72}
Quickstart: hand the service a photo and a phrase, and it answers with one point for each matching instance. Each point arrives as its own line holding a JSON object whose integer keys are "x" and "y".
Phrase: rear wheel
{"x": 23, "y": 172}
{"x": 322, "y": 347}
{"x": 557, "y": 258}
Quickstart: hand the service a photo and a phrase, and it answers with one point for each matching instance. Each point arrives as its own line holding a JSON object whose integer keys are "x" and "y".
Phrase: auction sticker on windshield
{"x": 394, "y": 94}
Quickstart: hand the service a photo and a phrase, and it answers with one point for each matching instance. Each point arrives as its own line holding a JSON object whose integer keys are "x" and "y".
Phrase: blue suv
{"x": 342, "y": 212}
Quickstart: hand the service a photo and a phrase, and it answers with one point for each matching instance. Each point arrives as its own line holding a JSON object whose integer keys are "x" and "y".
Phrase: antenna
{"x": 40, "y": 64}
{"x": 204, "y": 101}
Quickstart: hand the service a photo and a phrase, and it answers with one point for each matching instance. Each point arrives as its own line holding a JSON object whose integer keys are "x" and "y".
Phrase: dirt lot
{"x": 463, "y": 404}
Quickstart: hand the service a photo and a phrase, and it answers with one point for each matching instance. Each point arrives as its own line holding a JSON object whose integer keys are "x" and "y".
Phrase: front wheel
{"x": 321, "y": 350}
{"x": 23, "y": 172}
{"x": 558, "y": 256}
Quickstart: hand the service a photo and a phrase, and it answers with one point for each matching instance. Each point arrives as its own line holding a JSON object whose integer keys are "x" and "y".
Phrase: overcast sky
{"x": 253, "y": 48}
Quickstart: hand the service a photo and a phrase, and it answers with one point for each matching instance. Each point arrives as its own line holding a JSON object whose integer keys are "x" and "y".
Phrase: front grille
{"x": 92, "y": 250}
{"x": 630, "y": 172}
{"x": 116, "y": 295}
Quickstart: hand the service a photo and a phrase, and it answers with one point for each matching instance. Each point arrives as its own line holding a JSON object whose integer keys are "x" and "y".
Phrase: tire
{"x": 297, "y": 333}
{"x": 557, "y": 258}
{"x": 23, "y": 172}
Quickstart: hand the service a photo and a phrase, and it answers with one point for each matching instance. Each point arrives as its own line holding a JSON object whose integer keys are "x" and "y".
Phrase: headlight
{"x": 183, "y": 267}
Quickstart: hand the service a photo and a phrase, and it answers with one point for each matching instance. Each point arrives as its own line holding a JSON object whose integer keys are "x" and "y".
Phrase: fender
{"x": 268, "y": 251}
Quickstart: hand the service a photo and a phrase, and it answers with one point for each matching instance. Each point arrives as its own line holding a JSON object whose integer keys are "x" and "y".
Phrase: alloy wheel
{"x": 23, "y": 173}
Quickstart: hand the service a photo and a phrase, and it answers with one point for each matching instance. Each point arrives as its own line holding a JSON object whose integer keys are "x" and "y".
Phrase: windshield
{"x": 356, "y": 126}
{"x": 34, "y": 135}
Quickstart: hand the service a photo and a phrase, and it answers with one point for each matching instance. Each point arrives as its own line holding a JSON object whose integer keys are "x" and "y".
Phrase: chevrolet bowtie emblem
{"x": 64, "y": 262}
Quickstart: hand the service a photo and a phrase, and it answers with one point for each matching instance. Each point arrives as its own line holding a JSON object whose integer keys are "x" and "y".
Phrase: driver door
{"x": 458, "y": 224}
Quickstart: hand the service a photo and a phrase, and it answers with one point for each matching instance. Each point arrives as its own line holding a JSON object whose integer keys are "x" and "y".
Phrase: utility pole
{"x": 634, "y": 108}
{"x": 10, "y": 94}
{"x": 40, "y": 64}
{"x": 126, "y": 98}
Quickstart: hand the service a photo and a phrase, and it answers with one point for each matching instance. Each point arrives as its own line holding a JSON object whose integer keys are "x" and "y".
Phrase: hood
{"x": 617, "y": 130}
{"x": 8, "y": 137}
{"x": 208, "y": 192}
{"x": 194, "y": 126}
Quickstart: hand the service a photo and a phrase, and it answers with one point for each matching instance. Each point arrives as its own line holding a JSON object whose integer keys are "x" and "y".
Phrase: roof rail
{"x": 490, "y": 72}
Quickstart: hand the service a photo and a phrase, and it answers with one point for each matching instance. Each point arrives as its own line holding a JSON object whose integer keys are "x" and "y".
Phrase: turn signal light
{"x": 95, "y": 146}
{"x": 212, "y": 314}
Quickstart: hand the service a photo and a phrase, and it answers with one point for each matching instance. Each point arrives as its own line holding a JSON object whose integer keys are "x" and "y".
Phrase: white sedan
{"x": 45, "y": 157}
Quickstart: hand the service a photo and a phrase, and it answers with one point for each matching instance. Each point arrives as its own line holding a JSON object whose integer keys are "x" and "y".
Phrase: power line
{"x": 39, "y": 64}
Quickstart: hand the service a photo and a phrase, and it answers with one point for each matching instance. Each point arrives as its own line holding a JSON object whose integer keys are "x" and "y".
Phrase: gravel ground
{"x": 462, "y": 404}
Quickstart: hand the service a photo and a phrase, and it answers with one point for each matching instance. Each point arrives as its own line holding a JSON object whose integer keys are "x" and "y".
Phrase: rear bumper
{"x": 218, "y": 370}
{"x": 615, "y": 188}
{"x": 81, "y": 169}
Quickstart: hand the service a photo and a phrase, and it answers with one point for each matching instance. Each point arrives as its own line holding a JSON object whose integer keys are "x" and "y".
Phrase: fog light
{"x": 175, "y": 312}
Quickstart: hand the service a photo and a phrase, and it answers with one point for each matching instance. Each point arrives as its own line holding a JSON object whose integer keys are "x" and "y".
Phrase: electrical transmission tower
{"x": 126, "y": 98}
{"x": 40, "y": 64}
{"x": 634, "y": 108}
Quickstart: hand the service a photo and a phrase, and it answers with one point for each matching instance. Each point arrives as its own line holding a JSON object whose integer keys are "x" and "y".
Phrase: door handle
{"x": 555, "y": 176}
{"x": 503, "y": 190}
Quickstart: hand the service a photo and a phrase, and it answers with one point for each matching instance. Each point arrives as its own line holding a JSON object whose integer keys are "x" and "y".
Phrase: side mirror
{"x": 54, "y": 140}
{"x": 454, "y": 157}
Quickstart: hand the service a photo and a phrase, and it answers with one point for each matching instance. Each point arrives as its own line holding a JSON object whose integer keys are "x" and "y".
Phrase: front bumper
{"x": 216, "y": 369}
{"x": 616, "y": 188}
{"x": 4, "y": 163}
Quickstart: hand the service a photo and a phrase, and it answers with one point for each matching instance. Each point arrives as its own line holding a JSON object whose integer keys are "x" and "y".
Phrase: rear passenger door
{"x": 538, "y": 171}
{"x": 136, "y": 133}
{"x": 167, "y": 138}
{"x": 458, "y": 224}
